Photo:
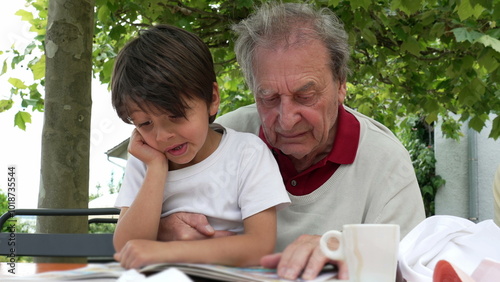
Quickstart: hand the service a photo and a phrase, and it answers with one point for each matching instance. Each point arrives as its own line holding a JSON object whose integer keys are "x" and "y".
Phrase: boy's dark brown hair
{"x": 159, "y": 70}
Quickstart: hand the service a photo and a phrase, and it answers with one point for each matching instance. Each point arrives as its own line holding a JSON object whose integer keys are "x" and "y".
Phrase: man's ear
{"x": 342, "y": 91}
{"x": 214, "y": 106}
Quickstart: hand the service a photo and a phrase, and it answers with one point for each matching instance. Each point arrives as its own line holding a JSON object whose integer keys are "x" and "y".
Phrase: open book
{"x": 113, "y": 271}
{"x": 226, "y": 273}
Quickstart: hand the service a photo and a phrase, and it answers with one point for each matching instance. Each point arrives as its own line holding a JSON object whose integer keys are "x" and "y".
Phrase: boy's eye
{"x": 144, "y": 124}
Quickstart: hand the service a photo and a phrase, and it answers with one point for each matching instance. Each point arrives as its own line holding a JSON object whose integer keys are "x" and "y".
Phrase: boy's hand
{"x": 141, "y": 150}
{"x": 138, "y": 253}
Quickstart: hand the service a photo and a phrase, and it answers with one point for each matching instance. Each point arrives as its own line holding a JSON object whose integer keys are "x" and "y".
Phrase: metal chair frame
{"x": 96, "y": 247}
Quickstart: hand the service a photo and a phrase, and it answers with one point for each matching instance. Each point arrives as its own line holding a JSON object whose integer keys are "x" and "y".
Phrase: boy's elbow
{"x": 118, "y": 243}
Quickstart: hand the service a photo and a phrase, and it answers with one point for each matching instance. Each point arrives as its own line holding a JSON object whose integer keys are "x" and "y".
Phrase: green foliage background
{"x": 412, "y": 60}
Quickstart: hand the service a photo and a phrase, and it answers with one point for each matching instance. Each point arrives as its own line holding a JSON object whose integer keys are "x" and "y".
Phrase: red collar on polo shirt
{"x": 343, "y": 151}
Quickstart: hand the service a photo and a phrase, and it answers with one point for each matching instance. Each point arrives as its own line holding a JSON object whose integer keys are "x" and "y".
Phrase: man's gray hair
{"x": 283, "y": 25}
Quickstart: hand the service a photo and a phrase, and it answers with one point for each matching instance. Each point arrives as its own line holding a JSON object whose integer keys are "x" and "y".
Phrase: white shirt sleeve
{"x": 135, "y": 172}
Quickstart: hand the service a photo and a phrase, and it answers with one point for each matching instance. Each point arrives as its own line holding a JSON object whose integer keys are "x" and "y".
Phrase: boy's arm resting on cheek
{"x": 185, "y": 226}
{"x": 245, "y": 249}
{"x": 140, "y": 220}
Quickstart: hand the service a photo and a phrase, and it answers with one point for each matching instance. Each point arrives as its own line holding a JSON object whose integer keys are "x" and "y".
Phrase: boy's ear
{"x": 214, "y": 106}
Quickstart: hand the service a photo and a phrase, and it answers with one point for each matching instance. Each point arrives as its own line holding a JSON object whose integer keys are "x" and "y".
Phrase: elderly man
{"x": 339, "y": 166}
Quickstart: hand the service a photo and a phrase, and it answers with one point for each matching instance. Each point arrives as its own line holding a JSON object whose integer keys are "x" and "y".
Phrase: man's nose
{"x": 288, "y": 114}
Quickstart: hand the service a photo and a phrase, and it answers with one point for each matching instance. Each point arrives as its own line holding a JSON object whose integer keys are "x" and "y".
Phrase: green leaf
{"x": 478, "y": 10}
{"x": 369, "y": 36}
{"x": 365, "y": 4}
{"x": 333, "y": 3}
{"x": 489, "y": 41}
{"x": 438, "y": 29}
{"x": 411, "y": 46}
{"x": 25, "y": 15}
{"x": 38, "y": 69}
{"x": 463, "y": 34}
{"x": 431, "y": 117}
{"x": 410, "y": 6}
{"x": 17, "y": 83}
{"x": 465, "y": 10}
{"x": 488, "y": 61}
{"x": 476, "y": 123}
{"x": 431, "y": 105}
{"x": 107, "y": 69}
{"x": 495, "y": 131}
{"x": 21, "y": 118}
{"x": 103, "y": 13}
{"x": 478, "y": 88}
{"x": 244, "y": 3}
{"x": 5, "y": 105}
{"x": 117, "y": 32}
{"x": 4, "y": 67}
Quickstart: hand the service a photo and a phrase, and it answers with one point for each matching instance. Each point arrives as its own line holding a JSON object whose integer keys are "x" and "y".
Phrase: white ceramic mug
{"x": 369, "y": 250}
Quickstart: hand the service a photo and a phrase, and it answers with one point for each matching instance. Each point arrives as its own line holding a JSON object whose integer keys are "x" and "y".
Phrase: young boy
{"x": 164, "y": 83}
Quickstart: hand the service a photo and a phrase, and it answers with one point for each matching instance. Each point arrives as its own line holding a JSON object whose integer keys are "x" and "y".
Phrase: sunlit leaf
{"x": 431, "y": 117}
{"x": 5, "y": 105}
{"x": 490, "y": 42}
{"x": 21, "y": 119}
{"x": 103, "y": 13}
{"x": 38, "y": 69}
{"x": 17, "y": 83}
{"x": 25, "y": 15}
{"x": 465, "y": 10}
{"x": 4, "y": 67}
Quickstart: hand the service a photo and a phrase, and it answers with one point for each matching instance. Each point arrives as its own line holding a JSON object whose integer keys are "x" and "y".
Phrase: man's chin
{"x": 295, "y": 151}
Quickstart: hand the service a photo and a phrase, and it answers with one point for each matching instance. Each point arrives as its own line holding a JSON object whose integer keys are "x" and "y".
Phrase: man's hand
{"x": 302, "y": 258}
{"x": 185, "y": 226}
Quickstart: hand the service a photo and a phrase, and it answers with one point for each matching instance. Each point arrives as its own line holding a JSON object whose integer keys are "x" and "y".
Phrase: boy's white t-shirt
{"x": 241, "y": 178}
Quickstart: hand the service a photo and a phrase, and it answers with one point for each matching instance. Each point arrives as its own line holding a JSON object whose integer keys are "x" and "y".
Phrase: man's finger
{"x": 199, "y": 222}
{"x": 296, "y": 256}
{"x": 315, "y": 264}
{"x": 270, "y": 261}
{"x": 222, "y": 233}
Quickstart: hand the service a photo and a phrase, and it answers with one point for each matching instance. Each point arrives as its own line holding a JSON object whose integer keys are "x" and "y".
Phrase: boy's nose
{"x": 163, "y": 134}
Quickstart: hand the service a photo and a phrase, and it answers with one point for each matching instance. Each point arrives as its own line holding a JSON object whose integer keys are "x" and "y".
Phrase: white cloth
{"x": 454, "y": 239}
{"x": 241, "y": 178}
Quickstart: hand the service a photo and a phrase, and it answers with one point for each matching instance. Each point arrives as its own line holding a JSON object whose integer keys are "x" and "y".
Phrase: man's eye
{"x": 270, "y": 101}
{"x": 306, "y": 99}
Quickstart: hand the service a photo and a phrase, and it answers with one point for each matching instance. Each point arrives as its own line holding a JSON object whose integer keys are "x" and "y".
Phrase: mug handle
{"x": 337, "y": 254}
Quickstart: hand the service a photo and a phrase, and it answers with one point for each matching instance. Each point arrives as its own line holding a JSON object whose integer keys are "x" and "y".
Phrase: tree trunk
{"x": 64, "y": 177}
